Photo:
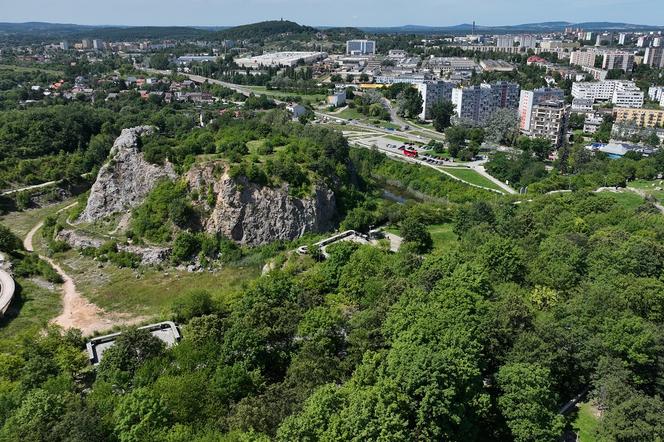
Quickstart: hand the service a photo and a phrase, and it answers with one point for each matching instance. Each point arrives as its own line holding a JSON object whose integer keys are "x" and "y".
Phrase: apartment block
{"x": 529, "y": 99}
{"x": 433, "y": 92}
{"x": 647, "y": 118}
{"x": 654, "y": 57}
{"x": 504, "y": 41}
{"x": 477, "y": 103}
{"x": 618, "y": 60}
{"x": 549, "y": 120}
{"x": 622, "y": 93}
{"x": 583, "y": 58}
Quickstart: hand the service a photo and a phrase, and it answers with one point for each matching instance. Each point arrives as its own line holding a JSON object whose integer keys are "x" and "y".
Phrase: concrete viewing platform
{"x": 165, "y": 331}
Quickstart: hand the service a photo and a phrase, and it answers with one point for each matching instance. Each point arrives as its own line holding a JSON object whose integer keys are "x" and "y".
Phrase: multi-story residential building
{"x": 86, "y": 44}
{"x": 643, "y": 41}
{"x": 592, "y": 123}
{"x": 619, "y": 92}
{"x": 360, "y": 47}
{"x": 549, "y": 120}
{"x": 64, "y": 45}
{"x": 477, "y": 103}
{"x": 504, "y": 41}
{"x": 604, "y": 39}
{"x": 654, "y": 57}
{"x": 597, "y": 73}
{"x": 582, "y": 105}
{"x": 529, "y": 99}
{"x": 97, "y": 44}
{"x": 639, "y": 117}
{"x": 627, "y": 96}
{"x": 583, "y": 58}
{"x": 622, "y": 38}
{"x": 656, "y": 93}
{"x": 618, "y": 60}
{"x": 527, "y": 41}
{"x": 433, "y": 92}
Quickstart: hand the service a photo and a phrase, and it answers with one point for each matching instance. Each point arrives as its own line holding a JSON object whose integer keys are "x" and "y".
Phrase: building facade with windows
{"x": 433, "y": 92}
{"x": 360, "y": 47}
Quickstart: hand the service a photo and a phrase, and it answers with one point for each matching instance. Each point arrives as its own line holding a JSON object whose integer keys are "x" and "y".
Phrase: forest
{"x": 482, "y": 340}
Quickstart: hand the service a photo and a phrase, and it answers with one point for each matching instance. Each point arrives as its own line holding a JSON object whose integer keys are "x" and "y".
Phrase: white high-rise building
{"x": 656, "y": 93}
{"x": 360, "y": 47}
{"x": 527, "y": 41}
{"x": 97, "y": 44}
{"x": 622, "y": 38}
{"x": 529, "y": 99}
{"x": 433, "y": 92}
{"x": 504, "y": 41}
{"x": 622, "y": 93}
{"x": 654, "y": 57}
{"x": 64, "y": 45}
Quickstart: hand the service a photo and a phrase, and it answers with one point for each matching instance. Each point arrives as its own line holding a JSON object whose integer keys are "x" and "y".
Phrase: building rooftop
{"x": 165, "y": 331}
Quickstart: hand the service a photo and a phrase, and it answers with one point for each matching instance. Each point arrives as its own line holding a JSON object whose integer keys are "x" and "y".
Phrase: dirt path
{"x": 77, "y": 311}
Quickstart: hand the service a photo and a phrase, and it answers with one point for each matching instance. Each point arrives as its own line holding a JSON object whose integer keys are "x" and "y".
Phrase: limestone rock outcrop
{"x": 125, "y": 180}
{"x": 251, "y": 214}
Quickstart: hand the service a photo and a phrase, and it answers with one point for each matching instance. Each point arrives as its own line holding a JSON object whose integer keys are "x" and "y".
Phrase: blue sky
{"x": 331, "y": 13}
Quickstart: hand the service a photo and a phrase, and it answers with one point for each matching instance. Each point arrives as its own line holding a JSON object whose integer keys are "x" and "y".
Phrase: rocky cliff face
{"x": 126, "y": 179}
{"x": 252, "y": 214}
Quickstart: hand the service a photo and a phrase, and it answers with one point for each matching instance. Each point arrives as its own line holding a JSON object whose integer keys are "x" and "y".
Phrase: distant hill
{"x": 526, "y": 27}
{"x": 265, "y": 29}
{"x": 39, "y": 30}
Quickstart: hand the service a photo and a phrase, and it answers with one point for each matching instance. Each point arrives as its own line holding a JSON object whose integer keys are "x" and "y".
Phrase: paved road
{"x": 7, "y": 288}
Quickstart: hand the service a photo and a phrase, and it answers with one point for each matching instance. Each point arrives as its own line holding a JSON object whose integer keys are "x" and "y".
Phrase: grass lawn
{"x": 626, "y": 199}
{"x": 398, "y": 138}
{"x": 441, "y": 234}
{"x": 35, "y": 304}
{"x": 31, "y": 68}
{"x": 388, "y": 125}
{"x": 262, "y": 90}
{"x": 444, "y": 155}
{"x": 585, "y": 423}
{"x": 471, "y": 177}
{"x": 149, "y": 290}
{"x": 349, "y": 114}
{"x": 650, "y": 187}
{"x": 22, "y": 222}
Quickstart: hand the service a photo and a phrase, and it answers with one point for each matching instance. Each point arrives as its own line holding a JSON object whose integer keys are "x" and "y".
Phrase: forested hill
{"x": 266, "y": 29}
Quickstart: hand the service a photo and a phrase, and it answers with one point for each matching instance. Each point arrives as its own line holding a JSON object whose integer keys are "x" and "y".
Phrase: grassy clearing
{"x": 262, "y": 90}
{"x": 655, "y": 188}
{"x": 585, "y": 423}
{"x": 626, "y": 199}
{"x": 35, "y": 304}
{"x": 472, "y": 177}
{"x": 147, "y": 291}
{"x": 441, "y": 234}
{"x": 30, "y": 69}
{"x": 22, "y": 222}
{"x": 349, "y": 114}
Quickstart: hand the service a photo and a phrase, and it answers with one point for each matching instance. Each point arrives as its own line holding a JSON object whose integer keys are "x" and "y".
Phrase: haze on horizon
{"x": 337, "y": 13}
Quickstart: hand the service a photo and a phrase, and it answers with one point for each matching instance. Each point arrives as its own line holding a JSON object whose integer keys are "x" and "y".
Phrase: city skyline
{"x": 368, "y": 14}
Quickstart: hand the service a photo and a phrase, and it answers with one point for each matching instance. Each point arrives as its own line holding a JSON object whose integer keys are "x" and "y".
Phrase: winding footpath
{"x": 78, "y": 312}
